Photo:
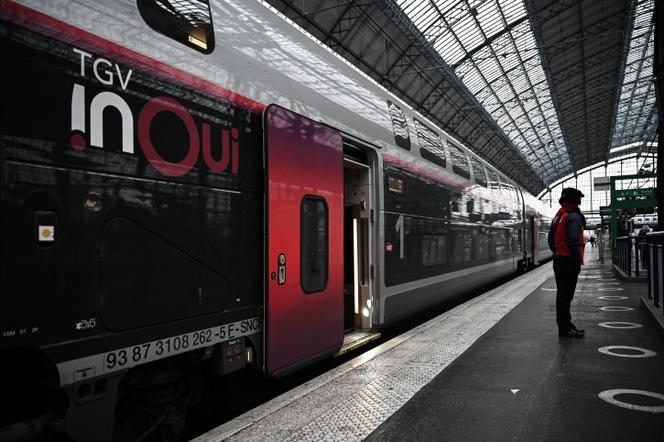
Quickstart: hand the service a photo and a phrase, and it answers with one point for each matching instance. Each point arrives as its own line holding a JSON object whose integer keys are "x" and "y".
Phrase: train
{"x": 192, "y": 188}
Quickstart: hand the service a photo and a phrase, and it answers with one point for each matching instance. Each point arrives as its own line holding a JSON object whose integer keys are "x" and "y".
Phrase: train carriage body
{"x": 211, "y": 187}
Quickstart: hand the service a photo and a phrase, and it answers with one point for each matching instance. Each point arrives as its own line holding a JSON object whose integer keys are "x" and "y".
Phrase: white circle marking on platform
{"x": 619, "y": 325}
{"x": 644, "y": 352}
{"x": 616, "y": 308}
{"x": 610, "y": 289}
{"x": 609, "y": 396}
{"x": 612, "y": 297}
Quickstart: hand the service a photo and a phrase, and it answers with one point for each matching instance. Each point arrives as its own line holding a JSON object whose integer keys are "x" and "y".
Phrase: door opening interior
{"x": 357, "y": 211}
{"x": 358, "y": 241}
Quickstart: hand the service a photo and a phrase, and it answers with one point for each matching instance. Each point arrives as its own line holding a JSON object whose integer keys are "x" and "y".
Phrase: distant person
{"x": 643, "y": 246}
{"x": 566, "y": 242}
{"x": 592, "y": 241}
{"x": 645, "y": 229}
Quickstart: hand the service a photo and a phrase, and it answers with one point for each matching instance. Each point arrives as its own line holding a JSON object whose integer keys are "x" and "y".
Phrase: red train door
{"x": 304, "y": 250}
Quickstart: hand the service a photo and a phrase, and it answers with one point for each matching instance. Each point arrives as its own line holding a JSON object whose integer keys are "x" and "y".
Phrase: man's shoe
{"x": 573, "y": 327}
{"x": 571, "y": 333}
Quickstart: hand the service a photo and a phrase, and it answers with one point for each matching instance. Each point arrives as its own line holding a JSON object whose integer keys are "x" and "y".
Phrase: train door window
{"x": 186, "y": 21}
{"x": 459, "y": 161}
{"x": 478, "y": 171}
{"x": 431, "y": 145}
{"x": 313, "y": 244}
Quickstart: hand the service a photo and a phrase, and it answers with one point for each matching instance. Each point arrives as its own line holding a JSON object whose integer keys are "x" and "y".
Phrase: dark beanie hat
{"x": 571, "y": 195}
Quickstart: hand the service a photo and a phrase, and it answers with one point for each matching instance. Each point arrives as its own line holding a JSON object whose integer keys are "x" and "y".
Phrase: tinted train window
{"x": 478, "y": 170}
{"x": 431, "y": 146}
{"x": 481, "y": 246}
{"x": 459, "y": 161}
{"x": 434, "y": 250}
{"x": 399, "y": 125}
{"x": 463, "y": 246}
{"x": 313, "y": 244}
{"x": 187, "y": 21}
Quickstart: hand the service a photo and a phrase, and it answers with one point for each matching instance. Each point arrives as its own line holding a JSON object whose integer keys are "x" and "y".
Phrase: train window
{"x": 505, "y": 184}
{"x": 395, "y": 184}
{"x": 399, "y": 125}
{"x": 431, "y": 146}
{"x": 463, "y": 246}
{"x": 500, "y": 241}
{"x": 434, "y": 250}
{"x": 481, "y": 246}
{"x": 186, "y": 21}
{"x": 479, "y": 171}
{"x": 493, "y": 179}
{"x": 459, "y": 161}
{"x": 313, "y": 244}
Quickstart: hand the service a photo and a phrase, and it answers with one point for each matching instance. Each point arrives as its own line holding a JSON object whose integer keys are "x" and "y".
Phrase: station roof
{"x": 539, "y": 88}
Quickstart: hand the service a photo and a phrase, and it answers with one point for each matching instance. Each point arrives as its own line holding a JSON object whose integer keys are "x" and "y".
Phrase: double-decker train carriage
{"x": 191, "y": 188}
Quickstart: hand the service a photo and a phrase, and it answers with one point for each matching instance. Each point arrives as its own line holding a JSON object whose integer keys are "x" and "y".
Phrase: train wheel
{"x": 153, "y": 402}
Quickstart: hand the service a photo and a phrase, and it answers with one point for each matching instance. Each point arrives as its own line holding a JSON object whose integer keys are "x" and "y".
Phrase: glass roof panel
{"x": 637, "y": 97}
{"x": 448, "y": 46}
{"x": 498, "y": 61}
{"x": 489, "y": 18}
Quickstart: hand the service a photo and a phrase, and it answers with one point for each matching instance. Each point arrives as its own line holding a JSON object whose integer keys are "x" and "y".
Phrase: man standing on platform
{"x": 566, "y": 241}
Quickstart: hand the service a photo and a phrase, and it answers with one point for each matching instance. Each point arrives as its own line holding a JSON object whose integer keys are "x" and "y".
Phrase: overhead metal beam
{"x": 544, "y": 59}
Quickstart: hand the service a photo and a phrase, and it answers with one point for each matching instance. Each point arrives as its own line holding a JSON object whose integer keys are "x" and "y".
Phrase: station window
{"x": 431, "y": 146}
{"x": 186, "y": 21}
{"x": 313, "y": 244}
{"x": 479, "y": 171}
{"x": 459, "y": 161}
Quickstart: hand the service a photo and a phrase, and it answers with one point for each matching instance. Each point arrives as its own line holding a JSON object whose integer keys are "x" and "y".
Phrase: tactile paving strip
{"x": 351, "y": 401}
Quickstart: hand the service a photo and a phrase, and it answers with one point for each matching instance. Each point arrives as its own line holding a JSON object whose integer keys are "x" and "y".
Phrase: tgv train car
{"x": 192, "y": 189}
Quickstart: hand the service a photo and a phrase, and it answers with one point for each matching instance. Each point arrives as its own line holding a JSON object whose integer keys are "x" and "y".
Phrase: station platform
{"x": 493, "y": 368}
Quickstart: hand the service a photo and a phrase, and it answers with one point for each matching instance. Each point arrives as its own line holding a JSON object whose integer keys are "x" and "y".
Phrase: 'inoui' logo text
{"x": 199, "y": 139}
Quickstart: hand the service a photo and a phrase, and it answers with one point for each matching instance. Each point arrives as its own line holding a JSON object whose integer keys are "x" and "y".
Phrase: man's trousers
{"x": 567, "y": 272}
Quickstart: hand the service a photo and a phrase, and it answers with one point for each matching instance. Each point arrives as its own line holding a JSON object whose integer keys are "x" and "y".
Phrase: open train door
{"x": 304, "y": 243}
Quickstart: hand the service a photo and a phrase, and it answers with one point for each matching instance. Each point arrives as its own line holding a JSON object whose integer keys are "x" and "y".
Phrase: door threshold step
{"x": 355, "y": 340}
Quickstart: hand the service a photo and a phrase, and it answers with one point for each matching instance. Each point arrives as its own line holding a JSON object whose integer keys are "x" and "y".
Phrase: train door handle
{"x": 281, "y": 269}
